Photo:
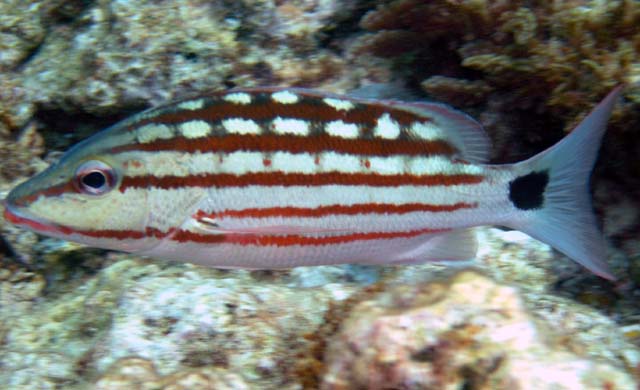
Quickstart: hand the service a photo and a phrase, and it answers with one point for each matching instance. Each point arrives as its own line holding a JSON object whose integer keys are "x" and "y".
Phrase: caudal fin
{"x": 552, "y": 191}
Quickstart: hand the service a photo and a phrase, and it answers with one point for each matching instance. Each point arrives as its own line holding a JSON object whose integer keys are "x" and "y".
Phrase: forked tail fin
{"x": 552, "y": 191}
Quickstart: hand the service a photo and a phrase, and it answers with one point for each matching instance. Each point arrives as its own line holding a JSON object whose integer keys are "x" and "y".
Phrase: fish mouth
{"x": 20, "y": 217}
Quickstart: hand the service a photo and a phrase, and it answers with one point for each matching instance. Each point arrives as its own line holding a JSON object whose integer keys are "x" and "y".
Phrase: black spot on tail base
{"x": 527, "y": 192}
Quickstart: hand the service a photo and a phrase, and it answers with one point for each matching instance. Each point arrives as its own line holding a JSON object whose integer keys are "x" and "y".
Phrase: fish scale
{"x": 302, "y": 162}
{"x": 279, "y": 177}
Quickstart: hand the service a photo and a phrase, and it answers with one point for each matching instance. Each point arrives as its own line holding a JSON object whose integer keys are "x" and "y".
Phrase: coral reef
{"x": 183, "y": 320}
{"x": 82, "y": 318}
{"x": 470, "y": 333}
{"x": 563, "y": 54}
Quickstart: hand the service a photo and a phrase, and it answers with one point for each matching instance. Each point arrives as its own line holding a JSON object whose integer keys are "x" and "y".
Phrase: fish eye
{"x": 95, "y": 178}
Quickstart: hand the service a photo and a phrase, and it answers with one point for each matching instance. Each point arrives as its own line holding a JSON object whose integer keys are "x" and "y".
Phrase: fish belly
{"x": 278, "y": 227}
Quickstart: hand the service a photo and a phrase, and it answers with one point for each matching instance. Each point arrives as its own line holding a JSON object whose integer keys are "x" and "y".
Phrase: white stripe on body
{"x": 492, "y": 203}
{"x": 300, "y": 196}
{"x": 169, "y": 163}
{"x": 354, "y": 223}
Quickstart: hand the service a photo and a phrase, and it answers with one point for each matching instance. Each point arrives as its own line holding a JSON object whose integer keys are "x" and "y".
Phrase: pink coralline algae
{"x": 470, "y": 333}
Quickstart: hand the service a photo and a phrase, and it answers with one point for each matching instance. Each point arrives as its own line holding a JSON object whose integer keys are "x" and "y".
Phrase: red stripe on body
{"x": 43, "y": 227}
{"x": 295, "y": 144}
{"x": 292, "y": 240}
{"x": 15, "y": 218}
{"x": 295, "y": 179}
{"x": 322, "y": 211}
{"x": 311, "y": 108}
{"x": 55, "y": 190}
{"x": 266, "y": 179}
{"x": 185, "y": 236}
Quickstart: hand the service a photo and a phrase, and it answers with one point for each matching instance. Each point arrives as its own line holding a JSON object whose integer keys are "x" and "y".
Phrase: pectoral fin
{"x": 210, "y": 226}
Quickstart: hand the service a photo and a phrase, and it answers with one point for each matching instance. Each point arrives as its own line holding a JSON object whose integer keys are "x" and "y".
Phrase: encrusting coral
{"x": 470, "y": 333}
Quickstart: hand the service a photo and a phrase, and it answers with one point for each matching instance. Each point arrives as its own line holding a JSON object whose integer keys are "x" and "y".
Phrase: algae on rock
{"x": 566, "y": 53}
{"x": 469, "y": 333}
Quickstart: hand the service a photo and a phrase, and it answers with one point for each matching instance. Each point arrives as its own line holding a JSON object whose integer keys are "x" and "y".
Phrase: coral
{"x": 455, "y": 91}
{"x": 468, "y": 333}
{"x": 113, "y": 55}
{"x": 17, "y": 151}
{"x": 46, "y": 346}
{"x": 23, "y": 31}
{"x": 81, "y": 317}
{"x": 566, "y": 53}
{"x": 17, "y": 155}
{"x": 228, "y": 322}
{"x": 309, "y": 365}
{"x": 186, "y": 321}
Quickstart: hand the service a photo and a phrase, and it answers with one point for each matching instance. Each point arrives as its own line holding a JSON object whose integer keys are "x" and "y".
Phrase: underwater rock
{"x": 185, "y": 321}
{"x": 468, "y": 333}
{"x": 136, "y": 373}
{"x": 106, "y": 56}
{"x": 23, "y": 31}
{"x": 238, "y": 320}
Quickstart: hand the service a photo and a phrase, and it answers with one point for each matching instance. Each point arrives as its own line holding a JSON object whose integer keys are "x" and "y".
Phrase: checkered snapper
{"x": 282, "y": 177}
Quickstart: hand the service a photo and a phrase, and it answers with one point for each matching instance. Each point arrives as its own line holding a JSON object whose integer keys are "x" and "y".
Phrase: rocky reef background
{"x": 73, "y": 317}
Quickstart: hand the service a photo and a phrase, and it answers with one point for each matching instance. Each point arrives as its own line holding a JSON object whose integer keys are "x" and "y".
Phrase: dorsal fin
{"x": 464, "y": 132}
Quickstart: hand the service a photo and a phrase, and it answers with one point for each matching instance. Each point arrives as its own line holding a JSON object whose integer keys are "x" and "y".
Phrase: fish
{"x": 267, "y": 178}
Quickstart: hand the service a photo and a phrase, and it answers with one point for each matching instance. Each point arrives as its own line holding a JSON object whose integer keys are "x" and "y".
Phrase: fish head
{"x": 79, "y": 198}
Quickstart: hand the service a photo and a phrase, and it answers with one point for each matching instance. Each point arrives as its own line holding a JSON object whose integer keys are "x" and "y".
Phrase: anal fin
{"x": 458, "y": 245}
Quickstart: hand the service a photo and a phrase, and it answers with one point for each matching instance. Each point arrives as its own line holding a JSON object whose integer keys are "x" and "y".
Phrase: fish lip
{"x": 19, "y": 217}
